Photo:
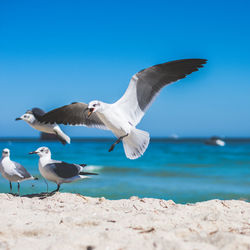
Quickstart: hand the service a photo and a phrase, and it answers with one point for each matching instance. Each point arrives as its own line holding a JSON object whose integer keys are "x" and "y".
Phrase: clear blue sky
{"x": 56, "y": 52}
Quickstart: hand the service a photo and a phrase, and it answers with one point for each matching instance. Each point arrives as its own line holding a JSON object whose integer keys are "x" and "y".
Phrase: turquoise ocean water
{"x": 184, "y": 171}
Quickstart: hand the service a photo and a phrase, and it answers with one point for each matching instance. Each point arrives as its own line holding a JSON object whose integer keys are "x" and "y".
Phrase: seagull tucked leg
{"x": 116, "y": 142}
{"x": 10, "y": 187}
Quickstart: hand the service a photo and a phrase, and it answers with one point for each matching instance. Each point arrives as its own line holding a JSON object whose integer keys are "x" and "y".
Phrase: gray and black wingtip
{"x": 87, "y": 173}
{"x": 197, "y": 60}
{"x": 184, "y": 67}
{"x": 200, "y": 62}
{"x": 192, "y": 62}
{"x": 196, "y": 63}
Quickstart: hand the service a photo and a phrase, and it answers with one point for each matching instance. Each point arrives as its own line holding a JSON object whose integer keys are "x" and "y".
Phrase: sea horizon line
{"x": 153, "y": 139}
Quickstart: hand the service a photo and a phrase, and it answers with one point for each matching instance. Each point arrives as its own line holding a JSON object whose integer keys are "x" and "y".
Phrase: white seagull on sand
{"x": 32, "y": 118}
{"x": 122, "y": 116}
{"x": 59, "y": 171}
{"x": 13, "y": 171}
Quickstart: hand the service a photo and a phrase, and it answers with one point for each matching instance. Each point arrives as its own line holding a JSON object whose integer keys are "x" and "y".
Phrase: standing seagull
{"x": 13, "y": 171}
{"x": 32, "y": 117}
{"x": 122, "y": 116}
{"x": 59, "y": 171}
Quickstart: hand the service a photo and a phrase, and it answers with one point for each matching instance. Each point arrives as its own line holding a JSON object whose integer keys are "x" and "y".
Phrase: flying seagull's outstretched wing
{"x": 73, "y": 114}
{"x": 146, "y": 84}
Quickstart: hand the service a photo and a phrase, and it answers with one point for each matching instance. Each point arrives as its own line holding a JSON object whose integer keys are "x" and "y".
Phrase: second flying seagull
{"x": 32, "y": 118}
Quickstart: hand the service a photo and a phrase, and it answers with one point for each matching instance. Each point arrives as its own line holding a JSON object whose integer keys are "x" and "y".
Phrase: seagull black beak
{"x": 33, "y": 152}
{"x": 18, "y": 119}
{"x": 90, "y": 112}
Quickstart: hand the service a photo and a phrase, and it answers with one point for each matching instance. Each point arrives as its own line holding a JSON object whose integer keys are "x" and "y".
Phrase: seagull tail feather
{"x": 87, "y": 173}
{"x": 136, "y": 143}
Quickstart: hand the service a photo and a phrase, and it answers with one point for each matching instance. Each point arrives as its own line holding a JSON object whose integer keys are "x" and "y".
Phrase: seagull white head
{"x": 42, "y": 152}
{"x": 27, "y": 117}
{"x": 94, "y": 106}
{"x": 6, "y": 152}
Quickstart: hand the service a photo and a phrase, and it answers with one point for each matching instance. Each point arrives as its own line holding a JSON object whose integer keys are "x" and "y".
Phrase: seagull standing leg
{"x": 116, "y": 142}
{"x": 10, "y": 187}
{"x": 46, "y": 185}
{"x": 18, "y": 187}
{"x": 57, "y": 189}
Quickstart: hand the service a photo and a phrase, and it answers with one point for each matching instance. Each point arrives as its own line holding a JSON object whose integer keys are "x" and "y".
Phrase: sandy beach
{"x": 72, "y": 221}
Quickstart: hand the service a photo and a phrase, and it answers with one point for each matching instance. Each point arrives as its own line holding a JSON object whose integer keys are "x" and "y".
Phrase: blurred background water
{"x": 184, "y": 171}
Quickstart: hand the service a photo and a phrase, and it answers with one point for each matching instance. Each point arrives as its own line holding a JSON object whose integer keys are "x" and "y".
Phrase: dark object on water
{"x": 48, "y": 137}
{"x": 215, "y": 141}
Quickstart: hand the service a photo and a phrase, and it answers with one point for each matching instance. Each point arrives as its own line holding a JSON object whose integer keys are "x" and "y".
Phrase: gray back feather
{"x": 64, "y": 169}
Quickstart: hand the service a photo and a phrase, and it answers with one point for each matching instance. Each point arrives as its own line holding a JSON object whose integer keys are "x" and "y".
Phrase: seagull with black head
{"x": 32, "y": 117}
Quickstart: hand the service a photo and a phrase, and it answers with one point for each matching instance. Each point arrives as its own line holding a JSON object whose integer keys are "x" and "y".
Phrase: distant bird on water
{"x": 13, "y": 171}
{"x": 122, "y": 116}
{"x": 59, "y": 171}
{"x": 32, "y": 117}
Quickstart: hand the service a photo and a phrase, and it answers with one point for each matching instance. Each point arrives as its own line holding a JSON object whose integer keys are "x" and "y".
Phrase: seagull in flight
{"x": 123, "y": 116}
{"x": 13, "y": 171}
{"x": 59, "y": 171}
{"x": 32, "y": 117}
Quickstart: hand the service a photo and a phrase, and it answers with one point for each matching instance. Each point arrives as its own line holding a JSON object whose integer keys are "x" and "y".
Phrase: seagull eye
{"x": 94, "y": 105}
{"x": 41, "y": 150}
{"x": 25, "y": 116}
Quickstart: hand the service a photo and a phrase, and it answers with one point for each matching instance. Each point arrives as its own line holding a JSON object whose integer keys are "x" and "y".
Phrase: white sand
{"x": 70, "y": 221}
